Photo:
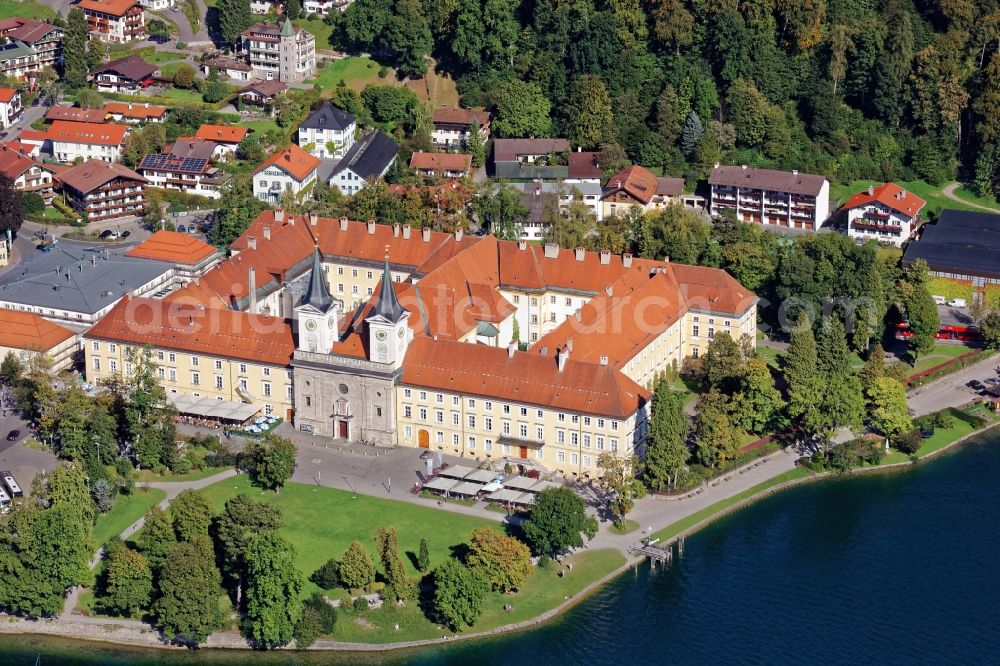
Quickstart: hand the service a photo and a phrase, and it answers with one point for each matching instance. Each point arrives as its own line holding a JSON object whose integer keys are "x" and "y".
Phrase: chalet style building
{"x": 452, "y": 127}
{"x": 103, "y": 190}
{"x": 886, "y": 213}
{"x": 786, "y": 199}
{"x": 282, "y": 52}
{"x": 115, "y": 21}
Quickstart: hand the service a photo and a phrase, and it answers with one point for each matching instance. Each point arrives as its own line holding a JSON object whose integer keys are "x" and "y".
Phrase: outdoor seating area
{"x": 465, "y": 482}
{"x": 260, "y": 425}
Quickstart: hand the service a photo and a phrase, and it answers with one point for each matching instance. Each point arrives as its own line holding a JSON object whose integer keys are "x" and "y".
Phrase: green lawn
{"x": 260, "y": 126}
{"x": 148, "y": 475}
{"x": 170, "y": 68}
{"x": 53, "y": 214}
{"x": 180, "y": 95}
{"x": 930, "y": 193}
{"x": 966, "y": 195}
{"x": 624, "y": 526}
{"x": 320, "y": 30}
{"x": 350, "y": 70}
{"x": 685, "y": 523}
{"x": 127, "y": 510}
{"x": 941, "y": 438}
{"x": 942, "y": 354}
{"x": 26, "y": 9}
{"x": 771, "y": 355}
{"x": 322, "y": 522}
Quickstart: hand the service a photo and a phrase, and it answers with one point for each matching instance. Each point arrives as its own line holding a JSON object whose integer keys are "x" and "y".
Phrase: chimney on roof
{"x": 395, "y": 231}
{"x": 458, "y": 234}
{"x": 604, "y": 360}
{"x": 580, "y": 253}
{"x": 605, "y": 257}
{"x": 511, "y": 348}
{"x": 569, "y": 344}
{"x": 406, "y": 232}
{"x": 252, "y": 287}
{"x": 313, "y": 218}
{"x": 871, "y": 190}
{"x": 252, "y": 242}
{"x": 609, "y": 290}
{"x": 627, "y": 260}
{"x": 426, "y": 234}
{"x": 544, "y": 351}
{"x": 522, "y": 245}
{"x": 279, "y": 215}
{"x": 900, "y": 195}
{"x": 371, "y": 227}
{"x": 267, "y": 232}
{"x": 562, "y": 355}
{"x": 743, "y": 166}
{"x": 146, "y": 105}
{"x": 795, "y": 172}
{"x": 666, "y": 259}
{"x": 551, "y": 250}
{"x": 343, "y": 224}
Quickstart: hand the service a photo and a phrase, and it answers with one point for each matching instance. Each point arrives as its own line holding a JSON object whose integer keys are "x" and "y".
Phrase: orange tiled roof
{"x": 456, "y": 116}
{"x": 15, "y": 161}
{"x": 26, "y": 330}
{"x": 7, "y": 94}
{"x": 221, "y": 133}
{"x": 194, "y": 329}
{"x": 441, "y": 161}
{"x": 174, "y": 247}
{"x": 106, "y": 134}
{"x": 524, "y": 378}
{"x": 75, "y": 114}
{"x": 638, "y": 182}
{"x": 113, "y": 7}
{"x": 140, "y": 111}
{"x": 293, "y": 160}
{"x": 891, "y": 196}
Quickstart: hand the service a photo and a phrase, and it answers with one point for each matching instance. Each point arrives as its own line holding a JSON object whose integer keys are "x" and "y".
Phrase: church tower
{"x": 317, "y": 314}
{"x": 388, "y": 333}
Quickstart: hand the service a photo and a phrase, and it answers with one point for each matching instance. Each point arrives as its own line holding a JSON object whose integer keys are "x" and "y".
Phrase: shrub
{"x": 308, "y": 628}
{"x": 215, "y": 92}
{"x": 360, "y": 604}
{"x": 180, "y": 46}
{"x": 544, "y": 562}
{"x": 32, "y": 203}
{"x": 383, "y": 72}
{"x": 909, "y": 443}
{"x": 328, "y": 575}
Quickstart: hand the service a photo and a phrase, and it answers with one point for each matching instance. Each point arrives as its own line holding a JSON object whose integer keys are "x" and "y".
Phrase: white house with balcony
{"x": 886, "y": 213}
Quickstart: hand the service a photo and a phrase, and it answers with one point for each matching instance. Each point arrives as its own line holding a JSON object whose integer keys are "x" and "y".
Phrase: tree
{"x": 184, "y": 76}
{"x": 328, "y": 575}
{"x": 241, "y": 518}
{"x": 103, "y": 495}
{"x": 424, "y": 557}
{"x": 503, "y": 560}
{"x": 748, "y": 110}
{"x": 11, "y": 215}
{"x": 187, "y": 609}
{"x": 843, "y": 400}
{"x": 66, "y": 485}
{"x": 716, "y": 439}
{"x": 588, "y": 113}
{"x": 678, "y": 234}
{"x": 558, "y": 521}
{"x": 802, "y": 376}
{"x": 11, "y": 369}
{"x": 357, "y": 570}
{"x": 238, "y": 207}
{"x": 666, "y": 447}
{"x": 921, "y": 311}
{"x": 251, "y": 149}
{"x": 459, "y": 593}
{"x": 673, "y": 24}
{"x": 364, "y": 21}
{"x": 873, "y": 370}
{"x": 157, "y": 537}
{"x": 216, "y": 91}
{"x": 619, "y": 483}
{"x": 889, "y": 414}
{"x": 73, "y": 438}
{"x": 270, "y": 461}
{"x": 128, "y": 583}
{"x": 318, "y": 618}
{"x": 500, "y": 210}
{"x": 74, "y": 49}
{"x": 521, "y": 109}
{"x": 95, "y": 53}
{"x": 273, "y": 590}
{"x": 723, "y": 366}
{"x": 192, "y": 514}
{"x": 293, "y": 9}
{"x": 691, "y": 133}
{"x": 409, "y": 35}
{"x": 670, "y": 114}
{"x": 90, "y": 99}
{"x": 136, "y": 147}
{"x": 32, "y": 203}
{"x": 234, "y": 18}
{"x": 397, "y": 585}
{"x": 757, "y": 402}
{"x": 989, "y": 327}
{"x": 571, "y": 226}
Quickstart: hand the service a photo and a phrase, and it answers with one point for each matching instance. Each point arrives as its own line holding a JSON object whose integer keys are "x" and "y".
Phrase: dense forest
{"x": 884, "y": 89}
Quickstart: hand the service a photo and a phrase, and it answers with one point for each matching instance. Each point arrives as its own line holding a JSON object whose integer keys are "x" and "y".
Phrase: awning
{"x": 466, "y": 488}
{"x": 481, "y": 476}
{"x": 440, "y": 484}
{"x": 491, "y": 487}
{"x": 526, "y": 498}
{"x": 211, "y": 408}
{"x": 504, "y": 495}
{"x": 521, "y": 483}
{"x": 456, "y": 471}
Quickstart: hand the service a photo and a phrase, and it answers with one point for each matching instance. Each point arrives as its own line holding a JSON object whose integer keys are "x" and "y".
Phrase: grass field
{"x": 320, "y": 30}
{"x": 356, "y": 73}
{"x": 180, "y": 95}
{"x": 964, "y": 194}
{"x": 930, "y": 193}
{"x": 148, "y": 475}
{"x": 322, "y": 522}
{"x": 26, "y": 9}
{"x": 942, "y": 353}
{"x": 260, "y": 126}
{"x": 941, "y": 438}
{"x": 127, "y": 510}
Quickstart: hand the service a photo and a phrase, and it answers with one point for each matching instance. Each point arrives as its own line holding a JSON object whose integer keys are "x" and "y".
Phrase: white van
{"x": 939, "y": 300}
{"x": 957, "y": 303}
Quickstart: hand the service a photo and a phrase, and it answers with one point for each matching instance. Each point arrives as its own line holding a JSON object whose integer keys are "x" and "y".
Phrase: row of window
{"x": 505, "y": 408}
{"x": 171, "y": 357}
{"x": 523, "y": 429}
{"x": 170, "y": 375}
{"x": 506, "y": 449}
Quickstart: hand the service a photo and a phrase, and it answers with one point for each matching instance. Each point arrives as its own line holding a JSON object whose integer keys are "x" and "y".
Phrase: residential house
{"x": 291, "y": 169}
{"x": 544, "y": 198}
{"x": 33, "y": 142}
{"x": 328, "y": 132}
{"x": 75, "y": 114}
{"x": 791, "y": 200}
{"x": 102, "y": 141}
{"x": 261, "y": 7}
{"x": 11, "y": 110}
{"x": 886, "y": 213}
{"x": 283, "y": 52}
{"x": 441, "y": 165}
{"x": 369, "y": 158}
{"x": 262, "y": 93}
{"x": 637, "y": 186}
{"x": 31, "y": 47}
{"x": 226, "y": 137}
{"x": 4, "y": 252}
{"x": 103, "y": 190}
{"x": 115, "y": 21}
{"x": 531, "y": 159}
{"x": 128, "y": 75}
{"x": 25, "y": 334}
{"x": 157, "y": 5}
{"x": 127, "y": 112}
{"x": 325, "y": 7}
{"x": 452, "y": 127}
{"x": 583, "y": 167}
{"x": 187, "y": 167}
{"x": 27, "y": 173}
{"x": 232, "y": 67}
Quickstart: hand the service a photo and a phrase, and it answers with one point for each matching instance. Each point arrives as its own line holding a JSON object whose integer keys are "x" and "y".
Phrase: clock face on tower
{"x": 400, "y": 334}
{"x": 331, "y": 323}
{"x": 310, "y": 324}
{"x": 380, "y": 335}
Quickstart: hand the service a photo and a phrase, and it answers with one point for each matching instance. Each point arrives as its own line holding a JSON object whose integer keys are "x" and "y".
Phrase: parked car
{"x": 992, "y": 381}
{"x": 181, "y": 228}
{"x": 957, "y": 303}
{"x": 192, "y": 229}
{"x": 940, "y": 300}
{"x": 13, "y": 435}
{"x": 125, "y": 234}
{"x": 108, "y": 234}
{"x": 976, "y": 385}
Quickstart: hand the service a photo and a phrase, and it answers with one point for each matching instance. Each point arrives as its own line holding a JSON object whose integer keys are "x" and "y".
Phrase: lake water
{"x": 894, "y": 568}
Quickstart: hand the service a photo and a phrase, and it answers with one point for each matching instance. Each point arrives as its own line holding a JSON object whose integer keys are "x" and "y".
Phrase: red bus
{"x": 946, "y": 332}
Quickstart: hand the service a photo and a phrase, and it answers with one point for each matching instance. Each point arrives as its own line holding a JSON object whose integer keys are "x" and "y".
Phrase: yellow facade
{"x": 185, "y": 373}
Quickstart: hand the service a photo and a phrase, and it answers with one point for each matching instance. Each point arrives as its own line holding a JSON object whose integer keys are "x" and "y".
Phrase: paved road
{"x": 184, "y": 32}
{"x": 60, "y": 6}
{"x": 950, "y": 390}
